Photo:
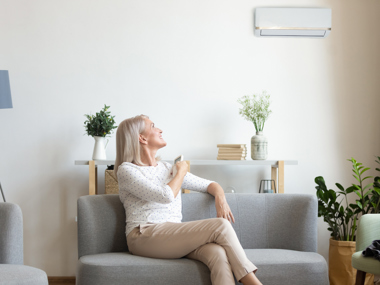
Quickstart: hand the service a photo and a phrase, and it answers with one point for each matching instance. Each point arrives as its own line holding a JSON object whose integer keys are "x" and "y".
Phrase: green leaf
{"x": 367, "y": 193}
{"x": 356, "y": 186}
{"x": 357, "y": 178}
{"x": 364, "y": 170}
{"x": 369, "y": 185}
{"x": 359, "y": 204}
{"x": 350, "y": 189}
{"x": 339, "y": 186}
{"x": 353, "y": 206}
{"x": 331, "y": 195}
{"x": 367, "y": 177}
{"x": 359, "y": 194}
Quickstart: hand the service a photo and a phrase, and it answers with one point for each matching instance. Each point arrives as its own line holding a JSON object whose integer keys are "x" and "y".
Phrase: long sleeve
{"x": 136, "y": 183}
{"x": 195, "y": 183}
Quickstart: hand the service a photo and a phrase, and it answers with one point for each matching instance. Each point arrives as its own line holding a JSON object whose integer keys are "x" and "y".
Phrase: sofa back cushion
{"x": 282, "y": 221}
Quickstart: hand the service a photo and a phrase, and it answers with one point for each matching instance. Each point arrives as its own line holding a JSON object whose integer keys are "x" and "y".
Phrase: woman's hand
{"x": 176, "y": 183}
{"x": 223, "y": 209}
{"x": 182, "y": 167}
{"x": 221, "y": 205}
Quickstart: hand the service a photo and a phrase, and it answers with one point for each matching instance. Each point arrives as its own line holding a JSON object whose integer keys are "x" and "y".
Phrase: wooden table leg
{"x": 93, "y": 178}
{"x": 360, "y": 277}
{"x": 281, "y": 177}
{"x": 274, "y": 177}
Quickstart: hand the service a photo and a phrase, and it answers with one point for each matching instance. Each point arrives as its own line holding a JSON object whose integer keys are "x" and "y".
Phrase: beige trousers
{"x": 212, "y": 241}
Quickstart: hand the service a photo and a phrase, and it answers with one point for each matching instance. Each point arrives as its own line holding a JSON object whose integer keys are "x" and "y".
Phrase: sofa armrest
{"x": 368, "y": 231}
{"x": 101, "y": 225}
{"x": 11, "y": 234}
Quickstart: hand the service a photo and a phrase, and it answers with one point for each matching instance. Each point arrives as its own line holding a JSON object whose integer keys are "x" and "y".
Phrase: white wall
{"x": 185, "y": 64}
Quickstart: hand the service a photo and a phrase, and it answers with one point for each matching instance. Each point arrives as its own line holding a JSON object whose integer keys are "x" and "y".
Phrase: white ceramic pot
{"x": 259, "y": 147}
{"x": 100, "y": 148}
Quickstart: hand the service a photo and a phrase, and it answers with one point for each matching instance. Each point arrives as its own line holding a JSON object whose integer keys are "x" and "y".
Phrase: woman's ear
{"x": 142, "y": 139}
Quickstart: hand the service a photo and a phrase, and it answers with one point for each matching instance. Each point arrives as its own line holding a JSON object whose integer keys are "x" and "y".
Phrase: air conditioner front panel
{"x": 293, "y": 33}
{"x": 301, "y": 22}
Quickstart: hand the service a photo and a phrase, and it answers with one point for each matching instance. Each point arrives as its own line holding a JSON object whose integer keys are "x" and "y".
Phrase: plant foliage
{"x": 338, "y": 213}
{"x": 375, "y": 199}
{"x": 101, "y": 124}
{"x": 362, "y": 206}
{"x": 255, "y": 109}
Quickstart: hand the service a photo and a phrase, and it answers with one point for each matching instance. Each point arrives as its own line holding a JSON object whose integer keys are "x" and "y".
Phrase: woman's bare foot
{"x": 250, "y": 279}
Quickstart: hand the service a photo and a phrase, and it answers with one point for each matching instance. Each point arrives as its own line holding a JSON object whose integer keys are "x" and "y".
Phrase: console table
{"x": 277, "y": 169}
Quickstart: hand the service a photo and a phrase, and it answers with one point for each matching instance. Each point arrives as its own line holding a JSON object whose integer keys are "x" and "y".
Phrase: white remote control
{"x": 179, "y": 158}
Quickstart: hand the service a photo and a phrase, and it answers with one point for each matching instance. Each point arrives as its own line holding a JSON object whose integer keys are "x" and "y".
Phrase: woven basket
{"x": 111, "y": 185}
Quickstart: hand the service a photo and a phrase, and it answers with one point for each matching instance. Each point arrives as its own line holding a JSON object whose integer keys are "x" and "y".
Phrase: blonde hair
{"x": 127, "y": 141}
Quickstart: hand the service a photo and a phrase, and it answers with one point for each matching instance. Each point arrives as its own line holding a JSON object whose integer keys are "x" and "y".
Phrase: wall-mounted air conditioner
{"x": 293, "y": 22}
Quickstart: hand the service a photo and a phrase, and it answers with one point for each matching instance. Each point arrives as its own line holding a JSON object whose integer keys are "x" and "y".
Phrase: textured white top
{"x": 147, "y": 198}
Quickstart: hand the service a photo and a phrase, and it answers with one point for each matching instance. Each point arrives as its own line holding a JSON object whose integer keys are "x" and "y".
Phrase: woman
{"x": 152, "y": 201}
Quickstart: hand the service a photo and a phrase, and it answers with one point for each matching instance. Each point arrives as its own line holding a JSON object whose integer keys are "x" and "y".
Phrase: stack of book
{"x": 232, "y": 151}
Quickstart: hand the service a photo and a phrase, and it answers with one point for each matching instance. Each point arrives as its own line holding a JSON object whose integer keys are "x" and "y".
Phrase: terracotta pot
{"x": 341, "y": 271}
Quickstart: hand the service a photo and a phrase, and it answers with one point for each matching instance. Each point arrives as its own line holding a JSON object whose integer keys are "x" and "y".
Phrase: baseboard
{"x": 61, "y": 280}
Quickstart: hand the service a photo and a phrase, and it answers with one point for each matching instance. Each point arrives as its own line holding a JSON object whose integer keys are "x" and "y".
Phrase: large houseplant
{"x": 99, "y": 126}
{"x": 342, "y": 218}
{"x": 255, "y": 109}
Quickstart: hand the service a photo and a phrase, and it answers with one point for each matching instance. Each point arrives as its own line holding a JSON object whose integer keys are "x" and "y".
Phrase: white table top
{"x": 273, "y": 163}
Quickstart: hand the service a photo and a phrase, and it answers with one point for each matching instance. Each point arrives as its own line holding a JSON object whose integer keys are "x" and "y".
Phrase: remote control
{"x": 179, "y": 158}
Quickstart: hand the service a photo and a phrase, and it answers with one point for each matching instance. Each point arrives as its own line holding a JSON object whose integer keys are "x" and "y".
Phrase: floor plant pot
{"x": 341, "y": 271}
{"x": 259, "y": 147}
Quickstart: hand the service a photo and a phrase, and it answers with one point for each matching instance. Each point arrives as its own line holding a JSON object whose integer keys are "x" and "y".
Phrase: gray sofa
{"x": 12, "y": 270}
{"x": 277, "y": 231}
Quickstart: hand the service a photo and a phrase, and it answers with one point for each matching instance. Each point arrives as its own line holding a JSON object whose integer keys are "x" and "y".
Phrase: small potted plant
{"x": 342, "y": 219}
{"x": 255, "y": 109}
{"x": 99, "y": 126}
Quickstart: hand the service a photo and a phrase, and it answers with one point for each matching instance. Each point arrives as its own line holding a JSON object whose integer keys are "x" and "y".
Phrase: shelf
{"x": 273, "y": 163}
{"x": 97, "y": 162}
{"x": 277, "y": 168}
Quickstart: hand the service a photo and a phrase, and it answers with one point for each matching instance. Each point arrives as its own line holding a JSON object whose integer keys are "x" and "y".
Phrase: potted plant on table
{"x": 342, "y": 218}
{"x": 256, "y": 110}
{"x": 99, "y": 126}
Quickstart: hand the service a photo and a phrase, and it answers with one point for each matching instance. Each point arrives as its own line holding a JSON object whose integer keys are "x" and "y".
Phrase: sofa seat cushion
{"x": 125, "y": 268}
{"x": 289, "y": 267}
{"x": 13, "y": 274}
{"x": 276, "y": 266}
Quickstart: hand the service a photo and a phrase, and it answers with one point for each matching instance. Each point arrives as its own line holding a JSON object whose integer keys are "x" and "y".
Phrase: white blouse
{"x": 147, "y": 198}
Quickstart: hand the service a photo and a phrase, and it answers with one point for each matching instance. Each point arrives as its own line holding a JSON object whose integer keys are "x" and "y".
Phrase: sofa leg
{"x": 360, "y": 277}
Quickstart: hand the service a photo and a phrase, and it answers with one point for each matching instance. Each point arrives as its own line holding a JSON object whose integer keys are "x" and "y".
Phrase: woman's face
{"x": 152, "y": 135}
